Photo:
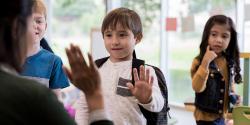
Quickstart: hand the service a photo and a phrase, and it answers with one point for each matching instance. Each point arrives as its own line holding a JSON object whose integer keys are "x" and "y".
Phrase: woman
{"x": 23, "y": 101}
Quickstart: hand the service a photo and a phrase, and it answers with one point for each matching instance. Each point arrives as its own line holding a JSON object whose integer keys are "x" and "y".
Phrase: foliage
{"x": 204, "y": 5}
{"x": 76, "y": 17}
{"x": 147, "y": 9}
{"x": 73, "y": 8}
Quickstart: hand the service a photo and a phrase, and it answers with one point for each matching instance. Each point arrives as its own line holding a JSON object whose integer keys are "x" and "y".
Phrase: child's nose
{"x": 219, "y": 39}
{"x": 115, "y": 41}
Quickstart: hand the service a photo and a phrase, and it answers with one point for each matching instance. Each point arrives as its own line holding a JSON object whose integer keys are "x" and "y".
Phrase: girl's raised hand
{"x": 142, "y": 89}
{"x": 209, "y": 56}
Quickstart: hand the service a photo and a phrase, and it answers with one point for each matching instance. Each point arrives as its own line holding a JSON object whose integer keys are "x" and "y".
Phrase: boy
{"x": 122, "y": 30}
{"x": 40, "y": 64}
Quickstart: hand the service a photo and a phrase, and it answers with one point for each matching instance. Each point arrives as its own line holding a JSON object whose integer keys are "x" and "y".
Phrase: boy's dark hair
{"x": 13, "y": 27}
{"x": 232, "y": 51}
{"x": 127, "y": 18}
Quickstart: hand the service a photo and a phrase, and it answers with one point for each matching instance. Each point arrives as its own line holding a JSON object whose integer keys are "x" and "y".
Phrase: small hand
{"x": 209, "y": 56}
{"x": 234, "y": 98}
{"x": 239, "y": 99}
{"x": 142, "y": 89}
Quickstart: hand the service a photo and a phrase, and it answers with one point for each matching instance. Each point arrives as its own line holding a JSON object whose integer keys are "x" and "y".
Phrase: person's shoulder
{"x": 13, "y": 78}
{"x": 21, "y": 85}
{"x": 103, "y": 62}
{"x": 23, "y": 97}
{"x": 49, "y": 55}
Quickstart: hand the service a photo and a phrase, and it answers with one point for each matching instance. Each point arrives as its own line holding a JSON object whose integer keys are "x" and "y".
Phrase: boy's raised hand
{"x": 142, "y": 89}
{"x": 209, "y": 56}
{"x": 84, "y": 77}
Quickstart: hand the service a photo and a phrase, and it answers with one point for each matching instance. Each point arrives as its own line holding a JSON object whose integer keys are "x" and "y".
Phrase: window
{"x": 149, "y": 12}
{"x": 247, "y": 27}
{"x": 72, "y": 22}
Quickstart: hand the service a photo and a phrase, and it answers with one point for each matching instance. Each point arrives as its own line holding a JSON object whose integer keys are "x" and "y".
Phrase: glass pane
{"x": 149, "y": 12}
{"x": 247, "y": 27}
{"x": 72, "y": 22}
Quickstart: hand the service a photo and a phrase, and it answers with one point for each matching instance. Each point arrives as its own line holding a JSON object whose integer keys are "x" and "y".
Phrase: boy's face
{"x": 120, "y": 43}
{"x": 40, "y": 26}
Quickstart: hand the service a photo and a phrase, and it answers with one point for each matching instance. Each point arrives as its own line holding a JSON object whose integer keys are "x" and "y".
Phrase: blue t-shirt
{"x": 46, "y": 68}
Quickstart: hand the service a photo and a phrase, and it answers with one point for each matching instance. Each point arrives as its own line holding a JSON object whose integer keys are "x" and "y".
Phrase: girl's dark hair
{"x": 13, "y": 27}
{"x": 127, "y": 18}
{"x": 232, "y": 51}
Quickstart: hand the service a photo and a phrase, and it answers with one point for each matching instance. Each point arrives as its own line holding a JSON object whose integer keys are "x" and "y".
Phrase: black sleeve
{"x": 102, "y": 122}
{"x": 44, "y": 44}
{"x": 47, "y": 110}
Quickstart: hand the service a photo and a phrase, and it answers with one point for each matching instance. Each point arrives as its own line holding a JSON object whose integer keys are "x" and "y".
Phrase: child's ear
{"x": 138, "y": 38}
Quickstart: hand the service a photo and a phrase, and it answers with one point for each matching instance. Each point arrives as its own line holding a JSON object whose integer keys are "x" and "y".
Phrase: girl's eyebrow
{"x": 213, "y": 30}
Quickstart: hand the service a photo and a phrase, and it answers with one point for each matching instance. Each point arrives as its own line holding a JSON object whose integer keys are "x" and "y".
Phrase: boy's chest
{"x": 110, "y": 76}
{"x": 124, "y": 106}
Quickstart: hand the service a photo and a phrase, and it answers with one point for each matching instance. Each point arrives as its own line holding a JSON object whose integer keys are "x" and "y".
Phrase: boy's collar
{"x": 34, "y": 53}
{"x": 121, "y": 63}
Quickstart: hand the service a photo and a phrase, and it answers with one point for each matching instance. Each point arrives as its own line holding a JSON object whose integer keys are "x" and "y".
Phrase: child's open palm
{"x": 142, "y": 89}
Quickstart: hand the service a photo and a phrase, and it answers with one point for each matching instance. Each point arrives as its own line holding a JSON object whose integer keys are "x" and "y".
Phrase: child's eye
{"x": 122, "y": 34}
{"x": 213, "y": 34}
{"x": 225, "y": 36}
{"x": 38, "y": 21}
{"x": 108, "y": 35}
